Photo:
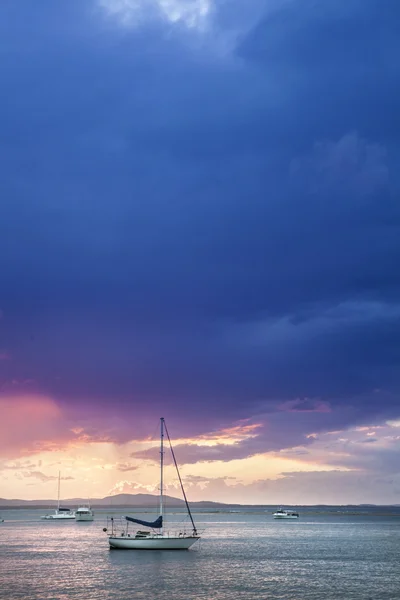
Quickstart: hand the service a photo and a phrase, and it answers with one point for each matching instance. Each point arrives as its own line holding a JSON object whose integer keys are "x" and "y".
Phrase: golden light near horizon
{"x": 98, "y": 469}
{"x": 94, "y": 466}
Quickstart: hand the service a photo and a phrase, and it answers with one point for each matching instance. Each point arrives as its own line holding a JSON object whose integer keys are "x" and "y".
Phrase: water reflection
{"x": 243, "y": 556}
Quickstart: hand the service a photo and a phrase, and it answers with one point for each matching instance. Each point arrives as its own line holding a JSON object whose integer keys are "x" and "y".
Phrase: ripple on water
{"x": 241, "y": 556}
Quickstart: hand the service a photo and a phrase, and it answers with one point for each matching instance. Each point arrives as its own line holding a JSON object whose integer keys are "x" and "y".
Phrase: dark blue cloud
{"x": 177, "y": 225}
{"x": 335, "y": 63}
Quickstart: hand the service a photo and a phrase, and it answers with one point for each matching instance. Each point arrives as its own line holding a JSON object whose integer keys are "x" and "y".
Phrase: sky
{"x": 200, "y": 220}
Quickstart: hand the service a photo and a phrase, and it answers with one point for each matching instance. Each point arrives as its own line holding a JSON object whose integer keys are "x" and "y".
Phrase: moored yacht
{"x": 156, "y": 536}
{"x": 285, "y": 514}
{"x": 84, "y": 513}
{"x": 60, "y": 514}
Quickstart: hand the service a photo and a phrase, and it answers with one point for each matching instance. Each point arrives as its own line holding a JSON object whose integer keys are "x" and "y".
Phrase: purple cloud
{"x": 210, "y": 257}
{"x": 43, "y": 477}
{"x": 124, "y": 467}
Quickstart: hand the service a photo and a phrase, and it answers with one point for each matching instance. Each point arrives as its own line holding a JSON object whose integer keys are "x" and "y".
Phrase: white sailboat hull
{"x": 286, "y": 517}
{"x": 58, "y": 517}
{"x": 152, "y": 543}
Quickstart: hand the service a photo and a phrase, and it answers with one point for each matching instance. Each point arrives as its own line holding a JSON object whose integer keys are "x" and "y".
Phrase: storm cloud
{"x": 200, "y": 215}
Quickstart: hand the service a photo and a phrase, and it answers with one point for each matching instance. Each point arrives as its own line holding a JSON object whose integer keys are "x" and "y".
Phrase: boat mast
{"x": 58, "y": 494}
{"x": 180, "y": 481}
{"x": 162, "y": 471}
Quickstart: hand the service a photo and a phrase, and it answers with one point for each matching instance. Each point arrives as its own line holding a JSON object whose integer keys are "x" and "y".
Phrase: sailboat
{"x": 158, "y": 538}
{"x": 60, "y": 514}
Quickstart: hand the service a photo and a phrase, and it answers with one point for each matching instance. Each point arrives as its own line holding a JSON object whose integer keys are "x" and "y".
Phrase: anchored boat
{"x": 60, "y": 514}
{"x": 285, "y": 514}
{"x": 156, "y": 536}
{"x": 84, "y": 513}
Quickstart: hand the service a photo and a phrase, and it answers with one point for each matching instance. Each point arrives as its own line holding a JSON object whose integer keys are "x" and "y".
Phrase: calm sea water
{"x": 242, "y": 555}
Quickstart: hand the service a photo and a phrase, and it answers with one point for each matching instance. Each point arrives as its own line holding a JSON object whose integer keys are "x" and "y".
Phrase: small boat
{"x": 84, "y": 513}
{"x": 60, "y": 514}
{"x": 285, "y": 514}
{"x": 156, "y": 537}
{"x": 1, "y": 520}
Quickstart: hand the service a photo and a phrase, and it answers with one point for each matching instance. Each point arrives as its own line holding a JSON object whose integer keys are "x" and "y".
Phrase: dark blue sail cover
{"x": 157, "y": 524}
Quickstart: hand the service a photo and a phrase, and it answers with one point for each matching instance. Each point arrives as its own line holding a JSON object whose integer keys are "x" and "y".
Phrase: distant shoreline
{"x": 150, "y": 501}
{"x": 334, "y": 510}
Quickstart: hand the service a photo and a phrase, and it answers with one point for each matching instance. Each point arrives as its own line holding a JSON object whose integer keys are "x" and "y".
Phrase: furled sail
{"x": 157, "y": 524}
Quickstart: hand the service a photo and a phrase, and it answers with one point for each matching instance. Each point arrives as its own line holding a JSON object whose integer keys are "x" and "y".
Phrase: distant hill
{"x": 119, "y": 500}
{"x": 150, "y": 501}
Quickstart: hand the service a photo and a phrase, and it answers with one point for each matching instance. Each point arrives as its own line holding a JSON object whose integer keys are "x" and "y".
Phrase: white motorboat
{"x": 156, "y": 536}
{"x": 84, "y": 513}
{"x": 60, "y": 514}
{"x": 285, "y": 514}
